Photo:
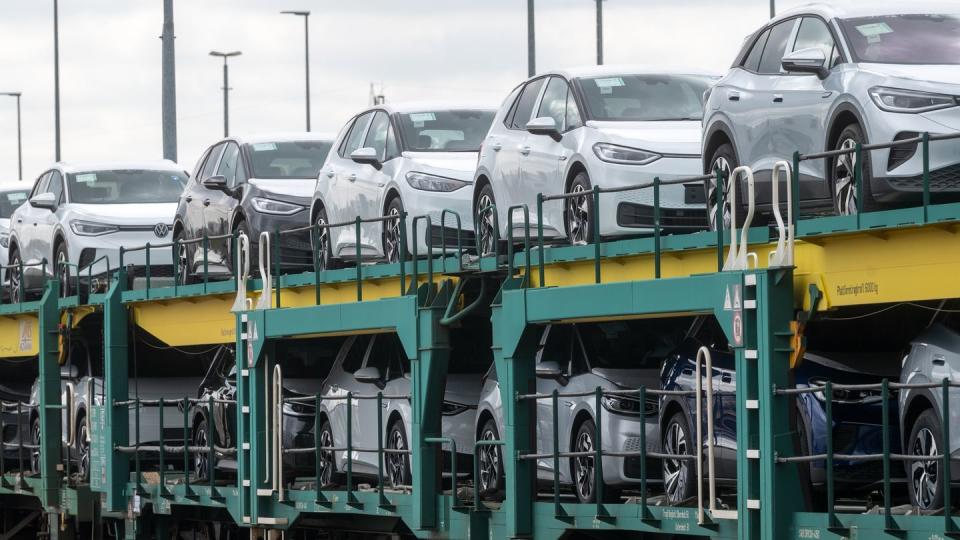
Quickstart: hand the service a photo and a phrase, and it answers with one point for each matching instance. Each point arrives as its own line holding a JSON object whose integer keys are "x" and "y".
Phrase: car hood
{"x": 172, "y": 388}
{"x": 295, "y": 189}
{"x": 668, "y": 137}
{"x": 304, "y": 387}
{"x": 126, "y": 214}
{"x": 630, "y": 378}
{"x": 938, "y": 78}
{"x": 456, "y": 165}
{"x": 463, "y": 388}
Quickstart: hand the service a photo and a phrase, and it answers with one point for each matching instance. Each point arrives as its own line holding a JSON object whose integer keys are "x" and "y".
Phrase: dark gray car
{"x": 249, "y": 185}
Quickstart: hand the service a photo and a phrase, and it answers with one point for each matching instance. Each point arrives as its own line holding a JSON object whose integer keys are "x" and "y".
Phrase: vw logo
{"x": 161, "y": 230}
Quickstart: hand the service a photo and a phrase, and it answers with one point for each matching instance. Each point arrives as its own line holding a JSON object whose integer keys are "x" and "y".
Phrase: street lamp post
{"x": 19, "y": 147}
{"x": 531, "y": 41}
{"x": 306, "y": 52}
{"x": 599, "y": 32}
{"x": 56, "y": 78}
{"x": 226, "y": 88}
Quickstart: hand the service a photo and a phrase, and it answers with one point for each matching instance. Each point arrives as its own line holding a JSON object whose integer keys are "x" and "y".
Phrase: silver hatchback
{"x": 820, "y": 78}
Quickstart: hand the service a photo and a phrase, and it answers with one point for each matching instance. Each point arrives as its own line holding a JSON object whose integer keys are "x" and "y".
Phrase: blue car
{"x": 857, "y": 416}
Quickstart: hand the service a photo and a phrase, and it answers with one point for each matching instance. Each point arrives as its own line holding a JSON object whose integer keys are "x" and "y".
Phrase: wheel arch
{"x": 575, "y": 168}
{"x": 717, "y": 135}
{"x": 919, "y": 403}
{"x": 844, "y": 115}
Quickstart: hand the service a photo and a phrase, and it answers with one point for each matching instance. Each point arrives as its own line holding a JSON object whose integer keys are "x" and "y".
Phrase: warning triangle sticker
{"x": 727, "y": 306}
{"x": 736, "y": 297}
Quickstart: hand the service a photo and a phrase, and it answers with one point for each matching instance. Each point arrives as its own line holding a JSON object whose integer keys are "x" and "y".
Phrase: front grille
{"x": 632, "y": 444}
{"x": 450, "y": 237}
{"x": 945, "y": 179}
{"x": 674, "y": 219}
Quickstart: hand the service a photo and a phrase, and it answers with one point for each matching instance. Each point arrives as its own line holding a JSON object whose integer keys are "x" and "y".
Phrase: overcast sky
{"x": 420, "y": 49}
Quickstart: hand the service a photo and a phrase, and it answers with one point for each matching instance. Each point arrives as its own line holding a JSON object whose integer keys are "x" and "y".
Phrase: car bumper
{"x": 899, "y": 178}
{"x": 623, "y": 433}
{"x": 295, "y": 249}
{"x": 298, "y": 433}
{"x": 458, "y": 204}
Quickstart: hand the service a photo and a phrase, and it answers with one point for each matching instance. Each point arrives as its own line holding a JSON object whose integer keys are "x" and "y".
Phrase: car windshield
{"x": 295, "y": 159}
{"x": 10, "y": 201}
{"x": 445, "y": 131}
{"x": 128, "y": 186}
{"x": 631, "y": 344}
{"x": 644, "y": 98}
{"x": 904, "y": 39}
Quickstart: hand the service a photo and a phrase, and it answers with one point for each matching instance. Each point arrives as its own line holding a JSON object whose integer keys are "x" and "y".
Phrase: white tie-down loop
{"x": 243, "y": 273}
{"x": 266, "y": 293}
{"x": 737, "y": 258}
{"x": 783, "y": 255}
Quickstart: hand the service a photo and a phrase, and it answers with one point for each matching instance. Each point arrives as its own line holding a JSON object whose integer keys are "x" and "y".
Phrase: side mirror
{"x": 44, "y": 200}
{"x": 544, "y": 125}
{"x": 369, "y": 375}
{"x": 216, "y": 183}
{"x": 69, "y": 372}
{"x": 366, "y": 155}
{"x": 550, "y": 370}
{"x": 810, "y": 60}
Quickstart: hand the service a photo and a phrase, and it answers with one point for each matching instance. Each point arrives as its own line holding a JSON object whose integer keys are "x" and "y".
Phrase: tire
{"x": 726, "y": 160}
{"x": 17, "y": 290}
{"x": 578, "y": 212}
{"x": 485, "y": 224}
{"x": 841, "y": 170}
{"x": 391, "y": 233}
{"x": 398, "y": 465}
{"x": 491, "y": 482}
{"x": 924, "y": 478}
{"x": 325, "y": 260}
{"x": 242, "y": 227}
{"x": 184, "y": 272}
{"x": 82, "y": 446}
{"x": 679, "y": 476}
{"x": 63, "y": 270}
{"x": 201, "y": 464}
{"x": 583, "y": 470}
{"x": 35, "y": 454}
{"x": 328, "y": 462}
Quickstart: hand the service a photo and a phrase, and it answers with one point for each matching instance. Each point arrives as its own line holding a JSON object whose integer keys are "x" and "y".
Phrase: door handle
{"x": 733, "y": 96}
{"x": 19, "y": 220}
{"x": 726, "y": 377}
{"x": 525, "y": 150}
{"x": 206, "y": 202}
{"x": 189, "y": 199}
{"x": 352, "y": 178}
{"x": 778, "y": 98}
{"x": 939, "y": 360}
{"x": 496, "y": 147}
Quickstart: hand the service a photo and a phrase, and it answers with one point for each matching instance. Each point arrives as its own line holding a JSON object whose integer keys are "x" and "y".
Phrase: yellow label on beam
{"x": 19, "y": 336}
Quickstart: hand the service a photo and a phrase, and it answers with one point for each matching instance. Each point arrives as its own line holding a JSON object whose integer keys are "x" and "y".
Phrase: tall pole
{"x": 306, "y": 55}
{"x": 531, "y": 42}
{"x": 600, "y": 32}
{"x": 56, "y": 79}
{"x": 773, "y": 8}
{"x": 169, "y": 97}
{"x": 19, "y": 145}
{"x": 226, "y": 89}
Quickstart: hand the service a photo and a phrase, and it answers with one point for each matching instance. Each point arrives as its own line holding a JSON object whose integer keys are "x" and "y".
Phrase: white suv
{"x": 79, "y": 216}
{"x": 566, "y": 131}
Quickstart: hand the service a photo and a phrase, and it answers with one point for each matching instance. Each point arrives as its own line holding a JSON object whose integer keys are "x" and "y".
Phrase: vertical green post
{"x": 596, "y": 233}
{"x": 885, "y": 431}
{"x": 795, "y": 188}
{"x": 116, "y": 329}
{"x": 554, "y": 402}
{"x": 656, "y": 226}
{"x": 858, "y": 179}
{"x": 831, "y": 498}
{"x": 718, "y": 217}
{"x": 946, "y": 473}
{"x": 50, "y": 412}
{"x": 540, "y": 253}
{"x": 925, "y": 152}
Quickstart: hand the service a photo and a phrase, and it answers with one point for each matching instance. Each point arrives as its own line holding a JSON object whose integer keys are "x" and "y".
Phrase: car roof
{"x": 425, "y": 106}
{"x": 626, "y": 69}
{"x": 284, "y": 137}
{"x": 844, "y": 9}
{"x": 70, "y": 167}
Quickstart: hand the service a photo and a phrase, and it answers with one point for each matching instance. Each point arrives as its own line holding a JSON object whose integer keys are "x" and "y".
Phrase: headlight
{"x": 449, "y": 408}
{"x": 432, "y": 182}
{"x": 295, "y": 408}
{"x": 5, "y": 240}
{"x": 909, "y": 101}
{"x": 89, "y": 228}
{"x": 843, "y": 395}
{"x": 622, "y": 405}
{"x": 613, "y": 153}
{"x": 278, "y": 208}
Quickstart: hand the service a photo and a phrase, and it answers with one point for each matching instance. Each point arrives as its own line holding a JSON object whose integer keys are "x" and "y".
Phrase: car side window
{"x": 393, "y": 148}
{"x": 524, "y": 108}
{"x": 355, "y": 138}
{"x": 752, "y": 62}
{"x": 814, "y": 34}
{"x": 578, "y": 356}
{"x": 573, "y": 119}
{"x": 355, "y": 353}
{"x": 377, "y": 134}
{"x": 775, "y": 48}
{"x": 56, "y": 187}
{"x": 211, "y": 162}
{"x": 228, "y": 163}
{"x": 199, "y": 166}
{"x": 387, "y": 355}
{"x": 554, "y": 102}
{"x": 41, "y": 185}
{"x": 556, "y": 348}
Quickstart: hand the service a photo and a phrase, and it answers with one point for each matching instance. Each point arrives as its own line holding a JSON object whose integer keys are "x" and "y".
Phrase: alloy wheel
{"x": 16, "y": 286}
{"x": 323, "y": 243}
{"x": 675, "y": 470}
{"x": 489, "y": 462}
{"x": 485, "y": 224}
{"x": 396, "y": 462}
{"x": 326, "y": 458}
{"x": 63, "y": 272}
{"x": 845, "y": 186}
{"x": 923, "y": 474}
{"x": 83, "y": 450}
{"x": 35, "y": 453}
{"x": 391, "y": 236}
{"x": 200, "y": 466}
{"x": 182, "y": 264}
{"x": 723, "y": 165}
{"x": 578, "y": 216}
{"x": 583, "y": 466}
